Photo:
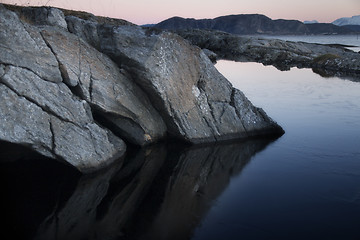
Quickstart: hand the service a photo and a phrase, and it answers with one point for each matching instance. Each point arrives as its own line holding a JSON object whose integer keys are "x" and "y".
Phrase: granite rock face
{"x": 72, "y": 88}
{"x": 110, "y": 90}
{"x": 40, "y": 111}
{"x": 196, "y": 102}
{"x": 23, "y": 46}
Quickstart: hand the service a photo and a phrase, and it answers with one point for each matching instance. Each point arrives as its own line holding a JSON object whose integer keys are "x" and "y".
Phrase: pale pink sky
{"x": 141, "y": 11}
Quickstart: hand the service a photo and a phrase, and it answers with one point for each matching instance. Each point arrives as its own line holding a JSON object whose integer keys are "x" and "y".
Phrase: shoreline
{"x": 331, "y": 59}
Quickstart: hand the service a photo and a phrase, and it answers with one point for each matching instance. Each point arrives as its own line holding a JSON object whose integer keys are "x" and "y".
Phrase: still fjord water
{"x": 304, "y": 185}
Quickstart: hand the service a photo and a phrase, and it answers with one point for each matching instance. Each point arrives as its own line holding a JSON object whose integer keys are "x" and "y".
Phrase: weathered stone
{"x": 192, "y": 96}
{"x": 85, "y": 25}
{"x": 46, "y": 117}
{"x": 44, "y": 16}
{"x": 21, "y": 45}
{"x": 85, "y": 29}
{"x": 23, "y": 122}
{"x": 55, "y": 98}
{"x": 53, "y": 82}
{"x": 112, "y": 93}
{"x": 38, "y": 110}
{"x": 88, "y": 148}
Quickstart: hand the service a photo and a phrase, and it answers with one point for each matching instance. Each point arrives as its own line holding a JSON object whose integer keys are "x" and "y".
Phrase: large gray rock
{"x": 38, "y": 110}
{"x": 46, "y": 117}
{"x": 53, "y": 82}
{"x": 24, "y": 122}
{"x": 22, "y": 45}
{"x": 195, "y": 100}
{"x": 112, "y": 93}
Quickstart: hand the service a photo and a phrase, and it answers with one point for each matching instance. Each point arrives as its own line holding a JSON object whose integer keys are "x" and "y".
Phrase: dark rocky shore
{"x": 327, "y": 60}
{"x": 79, "y": 88}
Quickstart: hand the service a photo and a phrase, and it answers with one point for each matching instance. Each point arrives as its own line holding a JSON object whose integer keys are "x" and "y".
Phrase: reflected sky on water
{"x": 307, "y": 184}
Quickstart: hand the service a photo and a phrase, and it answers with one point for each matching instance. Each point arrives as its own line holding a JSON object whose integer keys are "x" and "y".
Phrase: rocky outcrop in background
{"x": 74, "y": 87}
{"x": 330, "y": 60}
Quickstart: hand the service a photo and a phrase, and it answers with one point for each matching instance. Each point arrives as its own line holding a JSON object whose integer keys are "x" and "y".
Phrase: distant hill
{"x": 311, "y": 22}
{"x": 148, "y": 25}
{"x": 354, "y": 20}
{"x": 252, "y": 24}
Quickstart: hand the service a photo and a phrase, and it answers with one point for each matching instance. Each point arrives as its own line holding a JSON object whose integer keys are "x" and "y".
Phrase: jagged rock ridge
{"x": 72, "y": 88}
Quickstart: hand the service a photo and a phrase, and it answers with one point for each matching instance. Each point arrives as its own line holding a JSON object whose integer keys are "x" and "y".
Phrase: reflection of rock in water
{"x": 199, "y": 177}
{"x": 127, "y": 197}
{"x": 328, "y": 73}
{"x": 32, "y": 187}
{"x": 157, "y": 193}
{"x": 76, "y": 217}
{"x": 102, "y": 203}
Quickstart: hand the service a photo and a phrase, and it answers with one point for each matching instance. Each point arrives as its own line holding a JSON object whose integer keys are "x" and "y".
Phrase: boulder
{"x": 197, "y": 103}
{"x": 111, "y": 92}
{"x": 40, "y": 111}
{"x": 72, "y": 95}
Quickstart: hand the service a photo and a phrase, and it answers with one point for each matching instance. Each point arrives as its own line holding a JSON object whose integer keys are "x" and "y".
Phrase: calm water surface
{"x": 304, "y": 185}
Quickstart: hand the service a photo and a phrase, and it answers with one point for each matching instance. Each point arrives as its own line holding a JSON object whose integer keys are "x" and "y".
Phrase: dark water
{"x": 305, "y": 185}
{"x": 160, "y": 192}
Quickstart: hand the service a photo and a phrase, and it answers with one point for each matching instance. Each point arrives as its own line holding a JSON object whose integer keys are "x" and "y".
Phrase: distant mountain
{"x": 252, "y": 24}
{"x": 148, "y": 25}
{"x": 354, "y": 20}
{"x": 311, "y": 22}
